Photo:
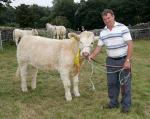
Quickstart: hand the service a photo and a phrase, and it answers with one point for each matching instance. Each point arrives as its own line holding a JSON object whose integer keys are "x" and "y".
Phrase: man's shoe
{"x": 108, "y": 106}
{"x": 124, "y": 110}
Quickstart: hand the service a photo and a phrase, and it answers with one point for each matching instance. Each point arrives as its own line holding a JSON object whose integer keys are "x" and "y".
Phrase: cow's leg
{"x": 47, "y": 33}
{"x": 64, "y": 36}
{"x": 17, "y": 73}
{"x": 23, "y": 73}
{"x": 75, "y": 86}
{"x": 34, "y": 75}
{"x": 65, "y": 79}
{"x": 54, "y": 36}
{"x": 57, "y": 36}
{"x": 50, "y": 35}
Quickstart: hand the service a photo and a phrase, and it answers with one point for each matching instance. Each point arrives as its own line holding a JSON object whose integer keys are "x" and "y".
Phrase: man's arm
{"x": 94, "y": 53}
{"x": 127, "y": 64}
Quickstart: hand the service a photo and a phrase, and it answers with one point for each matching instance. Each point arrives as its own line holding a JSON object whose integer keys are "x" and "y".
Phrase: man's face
{"x": 109, "y": 20}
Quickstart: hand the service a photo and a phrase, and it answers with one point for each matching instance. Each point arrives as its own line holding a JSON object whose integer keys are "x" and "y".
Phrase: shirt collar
{"x": 116, "y": 23}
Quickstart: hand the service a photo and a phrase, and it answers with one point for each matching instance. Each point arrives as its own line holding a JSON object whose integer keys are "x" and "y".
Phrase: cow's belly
{"x": 44, "y": 63}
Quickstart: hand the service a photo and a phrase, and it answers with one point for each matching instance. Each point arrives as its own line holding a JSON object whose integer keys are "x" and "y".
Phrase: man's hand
{"x": 90, "y": 57}
{"x": 127, "y": 64}
{"x": 94, "y": 53}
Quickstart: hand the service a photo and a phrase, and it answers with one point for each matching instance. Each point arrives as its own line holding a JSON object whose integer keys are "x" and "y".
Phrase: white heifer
{"x": 44, "y": 53}
{"x": 54, "y": 31}
{"x": 61, "y": 32}
{"x": 51, "y": 30}
{"x": 18, "y": 34}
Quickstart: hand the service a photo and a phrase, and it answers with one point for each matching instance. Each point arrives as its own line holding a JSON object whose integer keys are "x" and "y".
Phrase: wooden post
{"x": 1, "y": 42}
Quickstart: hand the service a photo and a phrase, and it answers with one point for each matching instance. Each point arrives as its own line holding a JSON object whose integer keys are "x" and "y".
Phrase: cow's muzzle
{"x": 85, "y": 54}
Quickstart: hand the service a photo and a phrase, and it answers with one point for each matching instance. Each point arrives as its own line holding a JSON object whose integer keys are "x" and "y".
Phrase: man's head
{"x": 108, "y": 17}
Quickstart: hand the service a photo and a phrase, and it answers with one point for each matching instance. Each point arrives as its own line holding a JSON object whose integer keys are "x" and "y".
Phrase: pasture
{"x": 47, "y": 100}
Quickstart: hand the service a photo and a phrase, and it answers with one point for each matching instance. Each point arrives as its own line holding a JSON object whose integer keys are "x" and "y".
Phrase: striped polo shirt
{"x": 115, "y": 40}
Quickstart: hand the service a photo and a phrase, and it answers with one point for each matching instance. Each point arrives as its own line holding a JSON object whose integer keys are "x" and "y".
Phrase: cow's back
{"x": 44, "y": 53}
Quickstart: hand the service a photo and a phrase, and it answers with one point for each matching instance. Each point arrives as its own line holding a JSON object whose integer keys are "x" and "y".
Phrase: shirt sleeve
{"x": 100, "y": 42}
{"x": 126, "y": 34}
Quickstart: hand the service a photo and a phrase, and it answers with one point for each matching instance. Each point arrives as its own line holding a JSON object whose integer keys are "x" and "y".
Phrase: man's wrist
{"x": 128, "y": 60}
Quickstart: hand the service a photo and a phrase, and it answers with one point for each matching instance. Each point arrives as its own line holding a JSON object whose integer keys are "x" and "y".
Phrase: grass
{"x": 48, "y": 102}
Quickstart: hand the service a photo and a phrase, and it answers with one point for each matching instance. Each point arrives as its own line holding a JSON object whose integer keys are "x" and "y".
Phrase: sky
{"x": 44, "y": 3}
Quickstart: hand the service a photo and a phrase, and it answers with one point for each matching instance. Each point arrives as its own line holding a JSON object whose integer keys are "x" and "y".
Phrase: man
{"x": 117, "y": 39}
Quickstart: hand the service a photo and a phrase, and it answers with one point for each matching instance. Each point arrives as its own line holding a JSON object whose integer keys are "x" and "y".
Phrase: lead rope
{"x": 92, "y": 71}
{"x": 121, "y": 80}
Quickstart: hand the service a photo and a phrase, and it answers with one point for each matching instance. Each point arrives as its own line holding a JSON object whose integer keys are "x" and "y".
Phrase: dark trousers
{"x": 113, "y": 81}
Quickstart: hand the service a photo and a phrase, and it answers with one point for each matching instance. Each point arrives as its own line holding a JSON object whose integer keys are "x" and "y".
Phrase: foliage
{"x": 24, "y": 16}
{"x": 60, "y": 20}
{"x": 64, "y": 8}
{"x": 8, "y": 16}
{"x": 86, "y": 13}
{"x": 4, "y": 4}
{"x": 32, "y": 16}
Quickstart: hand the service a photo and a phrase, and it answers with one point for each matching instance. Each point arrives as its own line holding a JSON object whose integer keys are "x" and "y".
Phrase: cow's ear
{"x": 74, "y": 35}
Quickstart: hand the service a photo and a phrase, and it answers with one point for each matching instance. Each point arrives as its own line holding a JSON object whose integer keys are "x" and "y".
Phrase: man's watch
{"x": 128, "y": 60}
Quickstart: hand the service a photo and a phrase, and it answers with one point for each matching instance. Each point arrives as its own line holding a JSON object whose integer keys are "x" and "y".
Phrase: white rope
{"x": 92, "y": 71}
{"x": 122, "y": 81}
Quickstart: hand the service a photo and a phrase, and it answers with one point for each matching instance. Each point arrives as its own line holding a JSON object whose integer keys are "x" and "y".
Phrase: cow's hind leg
{"x": 75, "y": 86}
{"x": 64, "y": 36}
{"x": 23, "y": 73}
{"x": 66, "y": 81}
{"x": 18, "y": 73}
{"x": 34, "y": 75}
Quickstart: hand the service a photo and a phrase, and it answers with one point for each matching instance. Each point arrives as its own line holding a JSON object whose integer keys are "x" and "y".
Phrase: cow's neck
{"x": 75, "y": 46}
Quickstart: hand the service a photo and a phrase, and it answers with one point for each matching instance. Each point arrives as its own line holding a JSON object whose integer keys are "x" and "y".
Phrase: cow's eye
{"x": 92, "y": 43}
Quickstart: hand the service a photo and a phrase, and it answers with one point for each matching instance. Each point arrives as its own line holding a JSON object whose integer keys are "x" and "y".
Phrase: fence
{"x": 1, "y": 42}
{"x": 135, "y": 33}
{"x": 5, "y": 35}
{"x": 140, "y": 33}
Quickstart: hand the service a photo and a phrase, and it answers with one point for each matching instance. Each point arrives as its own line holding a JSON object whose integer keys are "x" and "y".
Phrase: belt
{"x": 118, "y": 58}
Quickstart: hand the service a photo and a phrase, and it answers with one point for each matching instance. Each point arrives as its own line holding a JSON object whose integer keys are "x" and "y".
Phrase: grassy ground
{"x": 47, "y": 101}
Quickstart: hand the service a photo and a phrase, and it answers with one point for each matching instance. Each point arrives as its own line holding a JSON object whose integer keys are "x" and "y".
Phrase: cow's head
{"x": 34, "y": 32}
{"x": 86, "y": 42}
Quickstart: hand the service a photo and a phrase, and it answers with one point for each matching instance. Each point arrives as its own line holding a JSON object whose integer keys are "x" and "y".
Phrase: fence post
{"x": 1, "y": 42}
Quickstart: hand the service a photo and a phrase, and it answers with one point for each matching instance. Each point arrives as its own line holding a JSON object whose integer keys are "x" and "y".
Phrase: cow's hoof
{"x": 33, "y": 87}
{"x": 68, "y": 97}
{"x": 24, "y": 90}
{"x": 77, "y": 94}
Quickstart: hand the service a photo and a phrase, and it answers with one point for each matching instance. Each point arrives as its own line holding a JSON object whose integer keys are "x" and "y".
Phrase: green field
{"x": 48, "y": 102}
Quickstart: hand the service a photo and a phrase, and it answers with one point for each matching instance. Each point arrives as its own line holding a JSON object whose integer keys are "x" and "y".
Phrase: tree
{"x": 7, "y": 17}
{"x": 88, "y": 14}
{"x": 24, "y": 16}
{"x": 64, "y": 8}
{"x": 41, "y": 15}
{"x": 32, "y": 16}
{"x": 59, "y": 20}
{"x": 3, "y": 4}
